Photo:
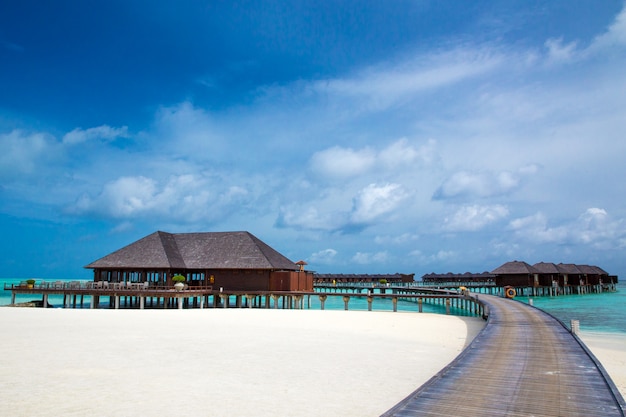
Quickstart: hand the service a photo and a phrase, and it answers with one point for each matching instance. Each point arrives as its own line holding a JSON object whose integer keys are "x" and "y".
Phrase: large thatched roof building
{"x": 231, "y": 260}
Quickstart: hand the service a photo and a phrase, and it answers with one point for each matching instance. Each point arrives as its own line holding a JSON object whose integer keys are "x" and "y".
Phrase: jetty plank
{"x": 524, "y": 363}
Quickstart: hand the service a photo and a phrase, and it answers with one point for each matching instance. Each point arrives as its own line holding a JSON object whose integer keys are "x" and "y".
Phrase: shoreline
{"x": 610, "y": 349}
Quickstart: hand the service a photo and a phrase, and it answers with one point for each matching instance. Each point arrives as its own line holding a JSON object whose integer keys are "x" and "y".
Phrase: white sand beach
{"x": 610, "y": 350}
{"x": 237, "y": 362}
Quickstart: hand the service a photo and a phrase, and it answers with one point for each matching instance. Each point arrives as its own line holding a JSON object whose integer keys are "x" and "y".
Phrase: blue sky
{"x": 359, "y": 136}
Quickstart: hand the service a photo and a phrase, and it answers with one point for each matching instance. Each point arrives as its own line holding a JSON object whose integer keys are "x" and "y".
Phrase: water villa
{"x": 393, "y": 279}
{"x": 542, "y": 278}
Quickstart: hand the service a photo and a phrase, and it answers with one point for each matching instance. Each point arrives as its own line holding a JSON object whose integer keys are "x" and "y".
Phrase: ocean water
{"x": 604, "y": 312}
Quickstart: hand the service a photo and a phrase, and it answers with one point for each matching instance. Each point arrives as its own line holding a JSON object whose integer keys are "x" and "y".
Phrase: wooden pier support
{"x": 323, "y": 300}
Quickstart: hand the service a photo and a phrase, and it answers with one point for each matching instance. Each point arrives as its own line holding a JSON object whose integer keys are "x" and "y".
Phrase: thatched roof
{"x": 211, "y": 250}
{"x": 591, "y": 270}
{"x": 515, "y": 267}
{"x": 571, "y": 269}
{"x": 546, "y": 268}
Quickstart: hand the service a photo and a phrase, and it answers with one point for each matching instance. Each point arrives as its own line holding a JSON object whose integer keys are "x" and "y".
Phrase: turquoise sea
{"x": 604, "y": 312}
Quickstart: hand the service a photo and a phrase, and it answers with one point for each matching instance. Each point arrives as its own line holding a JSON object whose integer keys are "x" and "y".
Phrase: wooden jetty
{"x": 135, "y": 295}
{"x": 146, "y": 295}
{"x": 523, "y": 363}
{"x": 481, "y": 287}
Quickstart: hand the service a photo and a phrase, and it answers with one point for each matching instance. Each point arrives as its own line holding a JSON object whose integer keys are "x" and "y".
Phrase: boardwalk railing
{"x": 523, "y": 363}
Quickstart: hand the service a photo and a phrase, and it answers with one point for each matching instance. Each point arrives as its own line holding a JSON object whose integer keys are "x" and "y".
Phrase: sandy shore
{"x": 236, "y": 362}
{"x": 610, "y": 349}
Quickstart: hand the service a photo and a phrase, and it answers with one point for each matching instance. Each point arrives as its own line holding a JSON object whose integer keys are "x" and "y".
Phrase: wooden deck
{"x": 148, "y": 295}
{"x": 524, "y": 363}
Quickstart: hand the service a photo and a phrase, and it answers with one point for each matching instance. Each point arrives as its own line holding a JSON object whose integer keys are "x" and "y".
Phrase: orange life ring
{"x": 510, "y": 293}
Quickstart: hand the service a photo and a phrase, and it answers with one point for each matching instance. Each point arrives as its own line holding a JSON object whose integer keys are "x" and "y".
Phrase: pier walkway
{"x": 524, "y": 363}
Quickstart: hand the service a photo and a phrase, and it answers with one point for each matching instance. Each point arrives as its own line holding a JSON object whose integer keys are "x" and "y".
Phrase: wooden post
{"x": 224, "y": 300}
{"x": 275, "y": 297}
{"x": 180, "y": 302}
{"x": 369, "y": 303}
{"x": 249, "y": 298}
{"x": 142, "y": 302}
{"x": 394, "y": 302}
{"x": 323, "y": 300}
{"x": 346, "y": 300}
{"x": 419, "y": 304}
{"x": 447, "y": 306}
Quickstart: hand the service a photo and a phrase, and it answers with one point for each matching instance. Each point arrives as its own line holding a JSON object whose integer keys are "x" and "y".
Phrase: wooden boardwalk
{"x": 524, "y": 363}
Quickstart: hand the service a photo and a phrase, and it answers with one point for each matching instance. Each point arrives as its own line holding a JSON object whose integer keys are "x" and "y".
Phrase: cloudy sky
{"x": 360, "y": 136}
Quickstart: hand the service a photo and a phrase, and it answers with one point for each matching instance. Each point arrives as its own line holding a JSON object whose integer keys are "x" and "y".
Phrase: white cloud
{"x": 366, "y": 258}
{"x": 614, "y": 37}
{"x": 477, "y": 184}
{"x": 103, "y": 132}
{"x": 558, "y": 52}
{"x": 26, "y": 153}
{"x": 434, "y": 258}
{"x": 535, "y": 228}
{"x": 401, "y": 154}
{"x": 189, "y": 132}
{"x": 124, "y": 197}
{"x": 344, "y": 163}
{"x": 325, "y": 256}
{"x": 372, "y": 203}
{"x": 300, "y": 217}
{"x": 475, "y": 217}
{"x": 375, "y": 200}
{"x": 185, "y": 198}
{"x": 402, "y": 239}
{"x": 380, "y": 87}
{"x": 594, "y": 228}
{"x": 340, "y": 162}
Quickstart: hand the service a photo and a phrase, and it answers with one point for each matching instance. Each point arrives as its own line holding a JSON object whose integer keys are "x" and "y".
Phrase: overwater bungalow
{"x": 363, "y": 278}
{"x": 232, "y": 261}
{"x": 540, "y": 278}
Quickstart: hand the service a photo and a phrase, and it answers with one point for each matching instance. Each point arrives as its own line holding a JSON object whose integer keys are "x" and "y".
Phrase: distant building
{"x": 544, "y": 274}
{"x": 464, "y": 278}
{"x": 363, "y": 278}
{"x": 234, "y": 261}
{"x": 522, "y": 274}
